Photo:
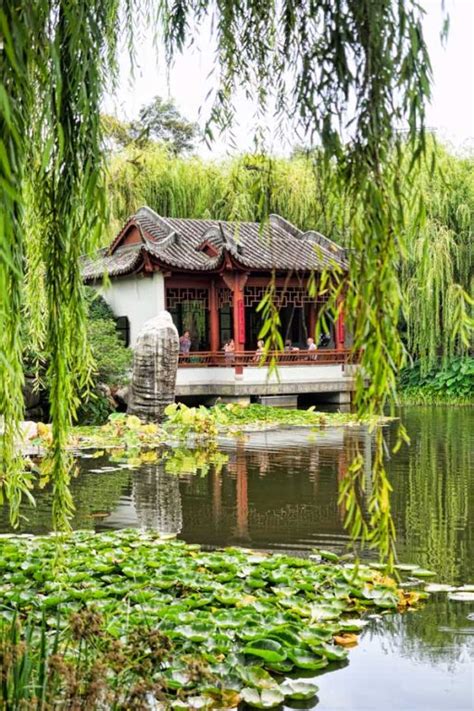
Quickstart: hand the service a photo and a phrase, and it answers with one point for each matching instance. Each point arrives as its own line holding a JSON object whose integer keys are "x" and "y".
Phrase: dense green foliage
{"x": 111, "y": 358}
{"x": 245, "y": 188}
{"x": 157, "y": 122}
{"x": 198, "y": 630}
{"x": 53, "y": 59}
{"x": 97, "y": 307}
{"x": 438, "y": 275}
{"x": 112, "y": 363}
{"x": 442, "y": 384}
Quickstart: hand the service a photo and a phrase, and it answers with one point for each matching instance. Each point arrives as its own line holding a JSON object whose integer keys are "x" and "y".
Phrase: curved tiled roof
{"x": 124, "y": 261}
{"x": 203, "y": 245}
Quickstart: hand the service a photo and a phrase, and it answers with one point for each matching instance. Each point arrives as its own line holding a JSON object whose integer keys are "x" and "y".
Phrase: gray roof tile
{"x": 178, "y": 243}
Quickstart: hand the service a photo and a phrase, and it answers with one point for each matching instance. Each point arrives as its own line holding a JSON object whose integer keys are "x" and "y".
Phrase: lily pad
{"x": 334, "y": 653}
{"x": 220, "y": 632}
{"x": 423, "y": 573}
{"x": 266, "y": 699}
{"x": 298, "y": 690}
{"x": 461, "y": 596}
{"x": 257, "y": 677}
{"x": 305, "y": 659}
{"x": 268, "y": 649}
{"x": 439, "y": 587}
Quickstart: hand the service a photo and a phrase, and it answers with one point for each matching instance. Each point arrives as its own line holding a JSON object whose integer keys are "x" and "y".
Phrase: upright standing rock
{"x": 155, "y": 362}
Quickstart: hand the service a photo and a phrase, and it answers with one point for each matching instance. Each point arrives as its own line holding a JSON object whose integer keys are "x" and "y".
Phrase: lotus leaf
{"x": 333, "y": 653}
{"x": 304, "y": 659}
{"x": 257, "y": 677}
{"x": 422, "y": 573}
{"x": 219, "y": 610}
{"x": 284, "y": 636}
{"x": 266, "y": 699}
{"x": 462, "y": 596}
{"x": 298, "y": 690}
{"x": 267, "y": 649}
{"x": 284, "y": 667}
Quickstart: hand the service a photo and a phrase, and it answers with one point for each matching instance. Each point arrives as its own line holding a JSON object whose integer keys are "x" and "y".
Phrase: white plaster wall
{"x": 138, "y": 297}
{"x": 259, "y": 376}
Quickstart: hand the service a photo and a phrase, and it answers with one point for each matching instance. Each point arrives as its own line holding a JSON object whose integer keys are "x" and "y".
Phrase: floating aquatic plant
{"x": 227, "y": 625}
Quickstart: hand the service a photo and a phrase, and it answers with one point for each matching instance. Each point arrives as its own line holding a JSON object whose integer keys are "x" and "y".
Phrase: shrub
{"x": 112, "y": 358}
{"x": 97, "y": 305}
{"x": 451, "y": 383}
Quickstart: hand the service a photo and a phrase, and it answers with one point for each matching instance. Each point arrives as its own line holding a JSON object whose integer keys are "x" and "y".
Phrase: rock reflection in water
{"x": 157, "y": 500}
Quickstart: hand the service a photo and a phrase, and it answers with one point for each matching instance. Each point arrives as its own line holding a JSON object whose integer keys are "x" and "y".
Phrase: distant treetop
{"x": 159, "y": 121}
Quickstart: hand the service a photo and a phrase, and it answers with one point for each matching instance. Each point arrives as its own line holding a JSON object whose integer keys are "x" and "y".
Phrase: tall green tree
{"x": 355, "y": 67}
{"x": 159, "y": 121}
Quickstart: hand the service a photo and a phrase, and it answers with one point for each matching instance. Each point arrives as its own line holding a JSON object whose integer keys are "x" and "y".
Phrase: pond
{"x": 278, "y": 491}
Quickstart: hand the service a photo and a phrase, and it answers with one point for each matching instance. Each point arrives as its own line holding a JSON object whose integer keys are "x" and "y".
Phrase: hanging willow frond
{"x": 52, "y": 74}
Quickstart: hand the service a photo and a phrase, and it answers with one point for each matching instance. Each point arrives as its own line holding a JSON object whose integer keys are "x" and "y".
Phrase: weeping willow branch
{"x": 439, "y": 272}
{"x": 15, "y": 99}
{"x": 53, "y": 72}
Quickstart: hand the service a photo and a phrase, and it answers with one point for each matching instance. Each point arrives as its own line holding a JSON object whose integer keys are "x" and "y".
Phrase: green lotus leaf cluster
{"x": 126, "y": 434}
{"x": 254, "y": 417}
{"x": 232, "y": 624}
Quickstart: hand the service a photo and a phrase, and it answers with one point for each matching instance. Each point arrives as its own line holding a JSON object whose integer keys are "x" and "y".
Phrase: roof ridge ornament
{"x": 279, "y": 221}
{"x": 230, "y": 243}
{"x": 324, "y": 242}
{"x": 172, "y": 237}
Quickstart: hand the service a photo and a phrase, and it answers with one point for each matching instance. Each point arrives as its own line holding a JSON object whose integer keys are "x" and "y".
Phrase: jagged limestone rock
{"x": 155, "y": 362}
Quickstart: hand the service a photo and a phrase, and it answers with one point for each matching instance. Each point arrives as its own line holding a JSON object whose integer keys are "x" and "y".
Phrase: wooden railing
{"x": 206, "y": 359}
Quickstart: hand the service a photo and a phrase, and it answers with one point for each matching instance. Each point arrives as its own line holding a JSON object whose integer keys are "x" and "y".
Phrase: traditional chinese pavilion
{"x": 211, "y": 275}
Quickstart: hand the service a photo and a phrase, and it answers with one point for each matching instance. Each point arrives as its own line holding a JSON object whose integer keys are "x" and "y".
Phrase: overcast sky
{"x": 451, "y": 111}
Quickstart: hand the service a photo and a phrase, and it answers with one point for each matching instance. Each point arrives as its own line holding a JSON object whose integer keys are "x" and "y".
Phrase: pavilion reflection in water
{"x": 273, "y": 492}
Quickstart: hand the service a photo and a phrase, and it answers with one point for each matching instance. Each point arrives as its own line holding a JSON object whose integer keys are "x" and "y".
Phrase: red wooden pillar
{"x": 340, "y": 329}
{"x": 239, "y": 316}
{"x": 216, "y": 498}
{"x": 239, "y": 321}
{"x": 236, "y": 282}
{"x": 214, "y": 319}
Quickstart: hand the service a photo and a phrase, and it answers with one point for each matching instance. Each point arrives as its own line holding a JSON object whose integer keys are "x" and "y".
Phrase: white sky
{"x": 451, "y": 111}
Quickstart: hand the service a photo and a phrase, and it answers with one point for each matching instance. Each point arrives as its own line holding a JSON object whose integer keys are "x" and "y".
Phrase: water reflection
{"x": 157, "y": 500}
{"x": 433, "y": 497}
{"x": 279, "y": 491}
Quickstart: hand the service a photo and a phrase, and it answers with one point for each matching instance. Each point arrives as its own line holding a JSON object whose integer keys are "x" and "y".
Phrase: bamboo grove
{"x": 325, "y": 64}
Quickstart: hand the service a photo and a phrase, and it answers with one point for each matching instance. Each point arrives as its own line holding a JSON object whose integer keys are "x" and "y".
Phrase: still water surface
{"x": 278, "y": 491}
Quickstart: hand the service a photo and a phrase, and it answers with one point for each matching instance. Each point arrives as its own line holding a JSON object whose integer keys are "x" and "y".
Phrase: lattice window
{"x": 224, "y": 297}
{"x": 178, "y": 295}
{"x": 253, "y": 295}
{"x": 291, "y": 296}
